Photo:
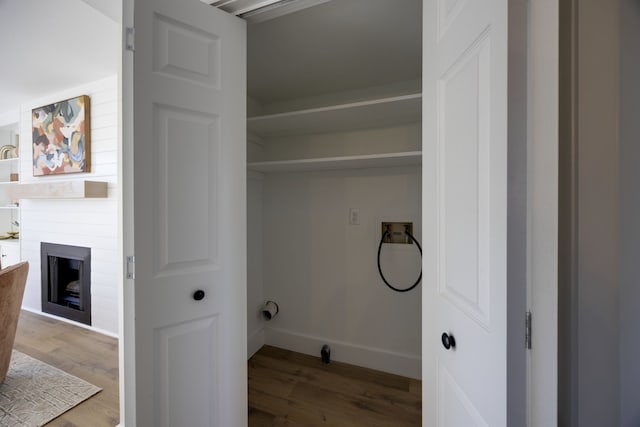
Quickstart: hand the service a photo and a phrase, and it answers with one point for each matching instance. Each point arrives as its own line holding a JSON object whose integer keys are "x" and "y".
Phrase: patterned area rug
{"x": 33, "y": 393}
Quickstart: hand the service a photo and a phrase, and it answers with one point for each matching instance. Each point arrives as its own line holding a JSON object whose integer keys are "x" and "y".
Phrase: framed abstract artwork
{"x": 62, "y": 137}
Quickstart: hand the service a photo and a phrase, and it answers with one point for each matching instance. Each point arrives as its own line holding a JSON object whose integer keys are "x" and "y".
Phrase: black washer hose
{"x": 380, "y": 268}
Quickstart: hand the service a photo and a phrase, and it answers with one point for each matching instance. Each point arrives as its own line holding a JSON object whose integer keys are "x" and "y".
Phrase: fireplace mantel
{"x": 73, "y": 189}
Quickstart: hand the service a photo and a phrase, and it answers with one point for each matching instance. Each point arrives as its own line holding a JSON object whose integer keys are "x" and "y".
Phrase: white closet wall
{"x": 255, "y": 294}
{"x": 321, "y": 269}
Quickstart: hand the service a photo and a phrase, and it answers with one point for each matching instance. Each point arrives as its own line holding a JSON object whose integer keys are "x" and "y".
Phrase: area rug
{"x": 33, "y": 393}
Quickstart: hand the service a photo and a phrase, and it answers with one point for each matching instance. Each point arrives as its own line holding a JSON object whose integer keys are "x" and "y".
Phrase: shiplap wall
{"x": 90, "y": 222}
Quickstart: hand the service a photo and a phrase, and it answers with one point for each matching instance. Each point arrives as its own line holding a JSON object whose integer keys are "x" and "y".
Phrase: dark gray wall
{"x": 589, "y": 292}
{"x": 630, "y": 213}
{"x": 599, "y": 277}
{"x": 517, "y": 215}
{"x": 567, "y": 229}
{"x": 597, "y": 219}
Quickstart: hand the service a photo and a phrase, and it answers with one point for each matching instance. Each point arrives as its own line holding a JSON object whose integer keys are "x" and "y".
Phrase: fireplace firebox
{"x": 66, "y": 281}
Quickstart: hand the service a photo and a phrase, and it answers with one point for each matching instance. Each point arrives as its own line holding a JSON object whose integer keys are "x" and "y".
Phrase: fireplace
{"x": 66, "y": 281}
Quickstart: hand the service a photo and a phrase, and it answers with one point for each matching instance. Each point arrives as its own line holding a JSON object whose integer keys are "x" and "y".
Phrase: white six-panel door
{"x": 189, "y": 200}
{"x": 464, "y": 208}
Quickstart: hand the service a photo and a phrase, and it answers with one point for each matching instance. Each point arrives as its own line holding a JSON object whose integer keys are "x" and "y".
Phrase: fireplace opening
{"x": 66, "y": 281}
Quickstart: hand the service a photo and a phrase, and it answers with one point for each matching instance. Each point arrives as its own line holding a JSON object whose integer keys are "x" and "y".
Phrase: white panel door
{"x": 465, "y": 211}
{"x": 189, "y": 210}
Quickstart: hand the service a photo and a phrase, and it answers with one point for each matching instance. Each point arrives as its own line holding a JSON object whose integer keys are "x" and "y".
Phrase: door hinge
{"x": 527, "y": 330}
{"x": 131, "y": 267}
{"x": 130, "y": 40}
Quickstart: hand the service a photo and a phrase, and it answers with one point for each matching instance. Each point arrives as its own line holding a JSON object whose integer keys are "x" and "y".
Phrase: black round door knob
{"x": 198, "y": 295}
{"x": 448, "y": 341}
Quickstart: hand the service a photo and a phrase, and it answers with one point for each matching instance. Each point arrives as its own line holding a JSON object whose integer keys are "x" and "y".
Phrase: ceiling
{"x": 335, "y": 46}
{"x": 49, "y": 46}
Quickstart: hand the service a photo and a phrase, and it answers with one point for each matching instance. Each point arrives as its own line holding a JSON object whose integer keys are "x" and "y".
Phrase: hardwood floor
{"x": 80, "y": 352}
{"x": 285, "y": 388}
{"x": 292, "y": 389}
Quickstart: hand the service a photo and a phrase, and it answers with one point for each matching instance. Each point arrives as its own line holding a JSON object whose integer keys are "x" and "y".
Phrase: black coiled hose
{"x": 386, "y": 233}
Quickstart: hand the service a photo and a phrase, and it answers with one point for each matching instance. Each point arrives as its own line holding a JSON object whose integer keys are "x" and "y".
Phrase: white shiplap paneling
{"x": 93, "y": 222}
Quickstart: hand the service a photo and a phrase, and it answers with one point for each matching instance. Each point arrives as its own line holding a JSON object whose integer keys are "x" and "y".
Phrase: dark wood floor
{"x": 292, "y": 389}
{"x": 285, "y": 388}
{"x": 80, "y": 352}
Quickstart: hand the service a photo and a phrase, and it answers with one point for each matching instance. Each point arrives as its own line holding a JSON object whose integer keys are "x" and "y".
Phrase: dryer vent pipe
{"x": 269, "y": 310}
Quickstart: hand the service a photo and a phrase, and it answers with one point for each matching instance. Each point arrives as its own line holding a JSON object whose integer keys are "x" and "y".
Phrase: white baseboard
{"x": 62, "y": 319}
{"x": 255, "y": 341}
{"x": 382, "y": 360}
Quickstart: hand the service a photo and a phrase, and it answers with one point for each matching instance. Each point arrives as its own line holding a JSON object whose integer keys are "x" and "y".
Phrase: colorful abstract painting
{"x": 61, "y": 137}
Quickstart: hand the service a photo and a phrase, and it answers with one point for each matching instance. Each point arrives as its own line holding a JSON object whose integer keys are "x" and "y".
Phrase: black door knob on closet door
{"x": 448, "y": 341}
{"x": 198, "y": 295}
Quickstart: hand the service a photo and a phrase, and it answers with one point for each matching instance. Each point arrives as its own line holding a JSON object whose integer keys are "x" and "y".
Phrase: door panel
{"x": 464, "y": 183}
{"x": 186, "y": 238}
{"x": 189, "y": 184}
{"x": 179, "y": 349}
{"x": 186, "y": 52}
{"x": 464, "y": 208}
{"x": 455, "y": 408}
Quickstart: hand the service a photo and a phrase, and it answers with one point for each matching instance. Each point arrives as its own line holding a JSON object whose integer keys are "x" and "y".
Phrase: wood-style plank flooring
{"x": 80, "y": 352}
{"x": 285, "y": 388}
{"x": 296, "y": 390}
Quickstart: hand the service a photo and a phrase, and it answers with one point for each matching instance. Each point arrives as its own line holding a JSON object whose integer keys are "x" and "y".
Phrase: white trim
{"x": 126, "y": 306}
{"x": 407, "y": 365}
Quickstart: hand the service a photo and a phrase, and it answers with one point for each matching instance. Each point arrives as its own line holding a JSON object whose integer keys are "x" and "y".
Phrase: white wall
{"x": 323, "y": 274}
{"x": 10, "y": 117}
{"x": 255, "y": 293}
{"x": 88, "y": 222}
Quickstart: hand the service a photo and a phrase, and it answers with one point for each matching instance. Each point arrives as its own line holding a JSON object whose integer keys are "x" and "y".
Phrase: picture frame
{"x": 61, "y": 137}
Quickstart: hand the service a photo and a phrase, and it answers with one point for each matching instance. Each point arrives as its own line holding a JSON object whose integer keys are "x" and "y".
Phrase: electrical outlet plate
{"x": 397, "y": 232}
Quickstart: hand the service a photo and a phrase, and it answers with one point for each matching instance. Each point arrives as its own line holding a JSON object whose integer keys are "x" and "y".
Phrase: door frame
{"x": 126, "y": 362}
{"x": 532, "y": 375}
{"x": 540, "y": 246}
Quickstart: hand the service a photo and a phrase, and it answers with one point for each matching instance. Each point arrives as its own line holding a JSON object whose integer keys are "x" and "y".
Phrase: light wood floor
{"x": 296, "y": 390}
{"x": 80, "y": 352}
{"x": 285, "y": 388}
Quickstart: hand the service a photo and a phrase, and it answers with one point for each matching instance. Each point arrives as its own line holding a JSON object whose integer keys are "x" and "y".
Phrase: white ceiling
{"x": 48, "y": 46}
{"x": 335, "y": 46}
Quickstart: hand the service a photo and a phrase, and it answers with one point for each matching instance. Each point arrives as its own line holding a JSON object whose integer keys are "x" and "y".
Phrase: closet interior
{"x": 334, "y": 150}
